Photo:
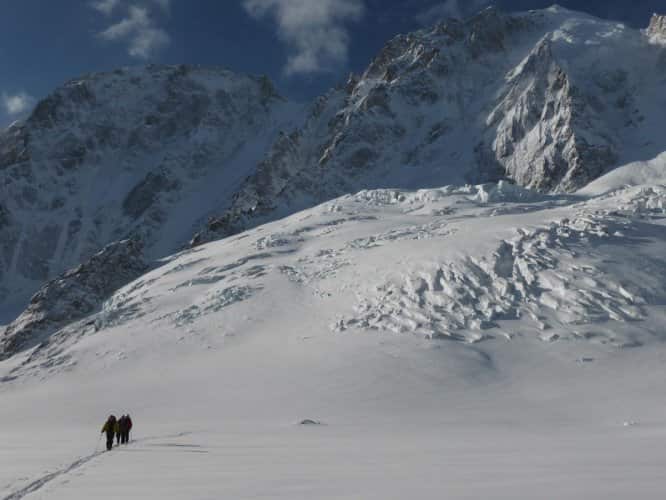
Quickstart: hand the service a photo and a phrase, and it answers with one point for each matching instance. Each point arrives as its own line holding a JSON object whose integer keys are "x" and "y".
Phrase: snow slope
{"x": 469, "y": 342}
{"x": 634, "y": 174}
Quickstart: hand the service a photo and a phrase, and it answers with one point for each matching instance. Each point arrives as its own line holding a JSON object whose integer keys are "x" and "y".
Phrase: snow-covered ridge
{"x": 471, "y": 263}
{"x": 644, "y": 173}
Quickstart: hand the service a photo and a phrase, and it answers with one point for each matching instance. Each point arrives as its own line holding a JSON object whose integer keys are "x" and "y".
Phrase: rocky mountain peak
{"x": 523, "y": 96}
{"x": 483, "y": 33}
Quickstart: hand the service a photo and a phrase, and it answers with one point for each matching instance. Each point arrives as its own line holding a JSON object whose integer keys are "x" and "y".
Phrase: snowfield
{"x": 462, "y": 342}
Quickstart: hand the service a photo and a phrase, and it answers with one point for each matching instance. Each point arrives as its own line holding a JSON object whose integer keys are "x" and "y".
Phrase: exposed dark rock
{"x": 144, "y": 194}
{"x": 4, "y": 216}
{"x": 486, "y": 32}
{"x": 74, "y": 295}
{"x": 46, "y": 111}
{"x": 70, "y": 151}
{"x": 13, "y": 146}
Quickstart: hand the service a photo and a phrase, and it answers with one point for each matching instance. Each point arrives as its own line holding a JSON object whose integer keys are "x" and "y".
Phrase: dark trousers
{"x": 109, "y": 440}
{"x": 124, "y": 437}
{"x": 118, "y": 435}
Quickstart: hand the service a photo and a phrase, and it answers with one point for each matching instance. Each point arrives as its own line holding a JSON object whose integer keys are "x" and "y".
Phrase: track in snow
{"x": 39, "y": 483}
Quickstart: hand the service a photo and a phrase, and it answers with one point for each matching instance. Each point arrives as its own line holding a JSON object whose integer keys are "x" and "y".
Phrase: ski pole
{"x": 98, "y": 441}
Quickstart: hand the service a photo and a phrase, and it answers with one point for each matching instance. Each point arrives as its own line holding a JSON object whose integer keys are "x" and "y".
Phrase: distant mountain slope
{"x": 143, "y": 153}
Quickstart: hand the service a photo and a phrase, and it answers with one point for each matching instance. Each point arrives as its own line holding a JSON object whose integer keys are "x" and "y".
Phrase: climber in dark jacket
{"x": 110, "y": 429}
{"x": 122, "y": 426}
{"x": 125, "y": 428}
{"x": 121, "y": 429}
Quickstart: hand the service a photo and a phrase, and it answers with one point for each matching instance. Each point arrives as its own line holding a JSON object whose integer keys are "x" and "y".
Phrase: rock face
{"x": 527, "y": 97}
{"x": 545, "y": 133}
{"x": 657, "y": 28}
{"x": 74, "y": 295}
{"x": 141, "y": 152}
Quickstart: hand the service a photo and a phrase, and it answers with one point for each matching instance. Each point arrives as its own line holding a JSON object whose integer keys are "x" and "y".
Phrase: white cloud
{"x": 314, "y": 30}
{"x": 106, "y": 7}
{"x": 451, "y": 8}
{"x": 139, "y": 30}
{"x": 17, "y": 104}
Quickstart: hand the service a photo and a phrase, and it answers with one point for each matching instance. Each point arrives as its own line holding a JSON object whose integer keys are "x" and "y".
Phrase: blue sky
{"x": 303, "y": 45}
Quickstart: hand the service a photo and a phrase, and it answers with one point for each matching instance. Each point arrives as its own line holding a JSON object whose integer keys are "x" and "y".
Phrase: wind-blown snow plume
{"x": 314, "y": 31}
{"x": 459, "y": 9}
{"x": 138, "y": 29}
{"x": 108, "y": 7}
{"x": 105, "y": 7}
{"x": 17, "y": 103}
